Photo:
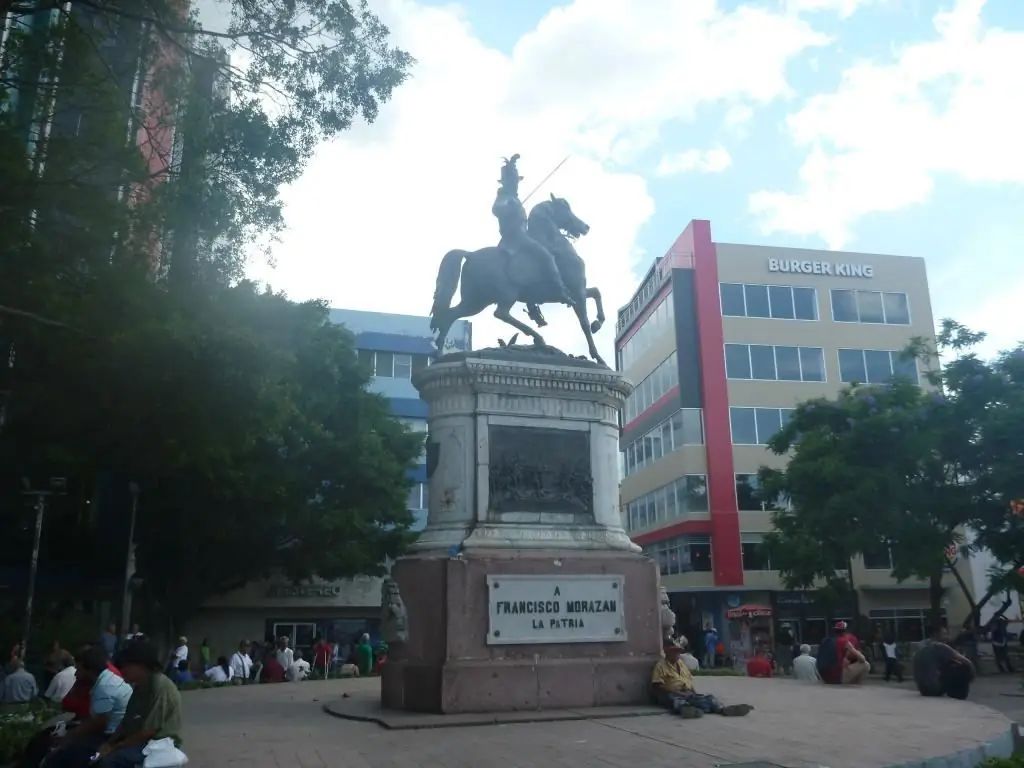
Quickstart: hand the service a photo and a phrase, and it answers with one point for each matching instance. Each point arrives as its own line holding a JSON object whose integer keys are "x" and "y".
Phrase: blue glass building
{"x": 393, "y": 347}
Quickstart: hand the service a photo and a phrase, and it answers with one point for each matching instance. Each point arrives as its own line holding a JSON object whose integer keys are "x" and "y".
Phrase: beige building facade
{"x": 722, "y": 341}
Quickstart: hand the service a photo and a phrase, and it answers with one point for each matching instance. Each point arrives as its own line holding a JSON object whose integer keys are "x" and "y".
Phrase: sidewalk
{"x": 794, "y": 725}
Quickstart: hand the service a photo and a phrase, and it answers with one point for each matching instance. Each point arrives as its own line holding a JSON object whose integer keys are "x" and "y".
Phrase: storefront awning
{"x": 748, "y": 612}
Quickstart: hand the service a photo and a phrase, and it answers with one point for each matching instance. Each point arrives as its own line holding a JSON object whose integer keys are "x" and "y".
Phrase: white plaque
{"x": 555, "y": 609}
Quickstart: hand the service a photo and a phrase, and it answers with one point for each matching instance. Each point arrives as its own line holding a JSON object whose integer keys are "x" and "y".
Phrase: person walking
{"x": 1001, "y": 644}
{"x": 893, "y": 667}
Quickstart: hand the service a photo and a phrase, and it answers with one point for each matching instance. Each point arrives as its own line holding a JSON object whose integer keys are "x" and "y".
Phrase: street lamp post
{"x": 129, "y": 560}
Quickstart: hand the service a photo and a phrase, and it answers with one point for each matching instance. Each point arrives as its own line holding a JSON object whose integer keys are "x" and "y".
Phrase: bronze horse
{"x": 495, "y": 276}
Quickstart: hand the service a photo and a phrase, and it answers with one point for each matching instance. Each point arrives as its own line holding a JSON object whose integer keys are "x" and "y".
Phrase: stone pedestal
{"x": 523, "y": 592}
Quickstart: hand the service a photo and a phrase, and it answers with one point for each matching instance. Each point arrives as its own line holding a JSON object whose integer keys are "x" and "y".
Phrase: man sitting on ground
{"x": 939, "y": 670}
{"x": 805, "y": 666}
{"x": 19, "y": 687}
{"x": 153, "y": 713}
{"x": 673, "y": 689}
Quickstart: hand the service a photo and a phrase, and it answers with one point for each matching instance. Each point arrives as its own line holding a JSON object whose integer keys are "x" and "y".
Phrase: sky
{"x": 879, "y": 126}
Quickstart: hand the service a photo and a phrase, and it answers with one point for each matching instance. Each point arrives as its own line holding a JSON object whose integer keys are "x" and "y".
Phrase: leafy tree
{"x": 243, "y": 416}
{"x": 869, "y": 472}
{"x": 904, "y": 468}
{"x": 248, "y": 427}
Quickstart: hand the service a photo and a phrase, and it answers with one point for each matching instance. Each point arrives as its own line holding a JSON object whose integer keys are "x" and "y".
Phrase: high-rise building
{"x": 722, "y": 341}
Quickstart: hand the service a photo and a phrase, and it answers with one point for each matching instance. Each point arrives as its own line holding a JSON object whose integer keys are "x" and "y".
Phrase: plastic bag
{"x": 161, "y": 753}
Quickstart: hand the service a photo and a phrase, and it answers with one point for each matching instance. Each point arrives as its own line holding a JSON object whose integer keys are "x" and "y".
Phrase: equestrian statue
{"x": 534, "y": 263}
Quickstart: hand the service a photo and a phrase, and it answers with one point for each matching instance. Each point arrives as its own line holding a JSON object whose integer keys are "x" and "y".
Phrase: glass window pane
{"x": 680, "y": 486}
{"x": 746, "y": 490}
{"x": 844, "y": 306}
{"x": 659, "y": 505}
{"x": 768, "y": 423}
{"x": 812, "y": 363}
{"x": 869, "y": 306}
{"x": 878, "y": 365}
{"x": 666, "y": 437}
{"x": 697, "y": 493}
{"x": 762, "y": 362}
{"x": 678, "y": 436}
{"x": 700, "y": 556}
{"x": 805, "y": 303}
{"x": 787, "y": 359}
{"x": 851, "y": 366}
{"x": 905, "y": 368}
{"x": 385, "y": 364}
{"x": 656, "y": 449}
{"x": 787, "y": 414}
{"x": 732, "y": 300}
{"x": 366, "y": 359}
{"x": 744, "y": 426}
{"x": 671, "y": 508}
{"x": 419, "y": 362}
{"x": 737, "y": 361}
{"x": 693, "y": 428}
{"x": 781, "y": 299}
{"x": 672, "y": 367}
{"x": 403, "y": 367}
{"x": 897, "y": 308}
{"x": 757, "y": 301}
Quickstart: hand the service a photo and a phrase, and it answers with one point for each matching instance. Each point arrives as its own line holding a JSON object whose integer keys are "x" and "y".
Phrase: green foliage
{"x": 18, "y": 724}
{"x": 904, "y": 468}
{"x": 718, "y": 672}
{"x": 243, "y": 417}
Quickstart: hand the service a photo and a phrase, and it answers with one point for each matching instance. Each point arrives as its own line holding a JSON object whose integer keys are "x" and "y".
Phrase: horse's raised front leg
{"x": 580, "y": 308}
{"x": 595, "y": 294}
{"x": 504, "y": 313}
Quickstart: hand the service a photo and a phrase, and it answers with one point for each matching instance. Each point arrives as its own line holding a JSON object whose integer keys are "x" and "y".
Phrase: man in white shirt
{"x": 299, "y": 669}
{"x": 62, "y": 682}
{"x": 687, "y": 657}
{"x": 285, "y": 655}
{"x": 241, "y": 663}
{"x": 805, "y": 666}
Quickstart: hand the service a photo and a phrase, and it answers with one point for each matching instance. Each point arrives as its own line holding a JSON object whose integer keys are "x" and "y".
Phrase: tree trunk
{"x": 935, "y": 593}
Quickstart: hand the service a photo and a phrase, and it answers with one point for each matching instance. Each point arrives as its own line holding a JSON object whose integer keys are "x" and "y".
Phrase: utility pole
{"x": 40, "y": 508}
{"x": 129, "y": 562}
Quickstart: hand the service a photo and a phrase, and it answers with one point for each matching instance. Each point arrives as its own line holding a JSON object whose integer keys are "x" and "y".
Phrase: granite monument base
{"x": 456, "y": 659}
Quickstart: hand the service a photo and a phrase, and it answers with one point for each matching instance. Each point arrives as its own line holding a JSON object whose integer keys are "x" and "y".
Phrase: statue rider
{"x": 515, "y": 237}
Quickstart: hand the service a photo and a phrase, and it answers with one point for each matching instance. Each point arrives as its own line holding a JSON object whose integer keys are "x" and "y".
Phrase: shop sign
{"x": 549, "y": 609}
{"x": 304, "y": 590}
{"x": 749, "y": 612}
{"x": 801, "y": 267}
{"x": 795, "y": 598}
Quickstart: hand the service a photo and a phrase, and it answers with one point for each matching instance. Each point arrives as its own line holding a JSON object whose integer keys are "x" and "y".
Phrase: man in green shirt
{"x": 364, "y": 655}
{"x": 154, "y": 710}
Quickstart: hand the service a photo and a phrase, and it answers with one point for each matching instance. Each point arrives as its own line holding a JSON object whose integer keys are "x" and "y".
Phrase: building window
{"x": 878, "y": 558}
{"x": 684, "y": 427}
{"x": 660, "y": 320}
{"x": 755, "y": 558}
{"x": 681, "y": 554}
{"x": 652, "y": 389}
{"x": 418, "y": 498}
{"x": 747, "y": 499}
{"x": 874, "y": 307}
{"x": 756, "y": 426}
{"x": 774, "y": 363}
{"x": 874, "y": 366}
{"x": 780, "y": 302}
{"x": 392, "y": 365}
{"x": 685, "y": 496}
{"x": 907, "y": 625}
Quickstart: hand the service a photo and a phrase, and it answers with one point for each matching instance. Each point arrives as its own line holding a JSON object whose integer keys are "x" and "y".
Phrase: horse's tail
{"x": 447, "y": 281}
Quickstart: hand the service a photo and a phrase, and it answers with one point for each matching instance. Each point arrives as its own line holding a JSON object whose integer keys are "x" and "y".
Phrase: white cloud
{"x": 845, "y": 8}
{"x": 597, "y": 80}
{"x": 879, "y": 142}
{"x": 714, "y": 160}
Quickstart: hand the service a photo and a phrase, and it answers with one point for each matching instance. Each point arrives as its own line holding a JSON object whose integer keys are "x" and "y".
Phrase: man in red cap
{"x": 673, "y": 688}
{"x": 854, "y": 666}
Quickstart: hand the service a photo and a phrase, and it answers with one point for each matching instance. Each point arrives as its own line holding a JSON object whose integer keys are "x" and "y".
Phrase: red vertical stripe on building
{"x": 726, "y": 552}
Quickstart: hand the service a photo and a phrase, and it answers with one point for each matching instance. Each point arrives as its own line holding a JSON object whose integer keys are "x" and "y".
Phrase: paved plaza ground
{"x": 793, "y": 725}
